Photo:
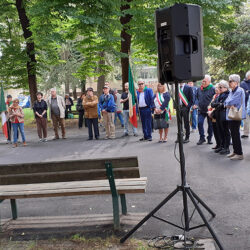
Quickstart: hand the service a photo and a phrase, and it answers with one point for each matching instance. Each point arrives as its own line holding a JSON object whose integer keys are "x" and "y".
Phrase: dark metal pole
{"x": 182, "y": 157}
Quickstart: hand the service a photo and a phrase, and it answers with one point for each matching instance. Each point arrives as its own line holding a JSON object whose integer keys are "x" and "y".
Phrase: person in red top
{"x": 17, "y": 119}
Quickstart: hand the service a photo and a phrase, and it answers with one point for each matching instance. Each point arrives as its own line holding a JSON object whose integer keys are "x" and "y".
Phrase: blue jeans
{"x": 126, "y": 122}
{"x": 201, "y": 118}
{"x": 15, "y": 129}
{"x": 119, "y": 115}
{"x": 146, "y": 120}
{"x": 194, "y": 119}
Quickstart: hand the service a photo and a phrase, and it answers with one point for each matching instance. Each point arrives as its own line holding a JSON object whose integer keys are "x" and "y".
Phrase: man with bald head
{"x": 57, "y": 107}
{"x": 203, "y": 98}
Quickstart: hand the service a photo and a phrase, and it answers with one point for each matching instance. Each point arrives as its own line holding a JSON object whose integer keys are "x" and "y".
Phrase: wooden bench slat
{"x": 44, "y": 186}
{"x": 36, "y": 167}
{"x": 63, "y": 176}
{"x": 52, "y": 191}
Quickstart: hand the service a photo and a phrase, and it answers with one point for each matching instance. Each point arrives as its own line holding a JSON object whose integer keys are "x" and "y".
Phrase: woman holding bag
{"x": 161, "y": 111}
{"x": 236, "y": 111}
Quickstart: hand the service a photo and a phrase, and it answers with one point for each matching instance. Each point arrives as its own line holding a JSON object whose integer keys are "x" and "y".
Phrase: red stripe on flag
{"x": 133, "y": 119}
{"x": 5, "y": 130}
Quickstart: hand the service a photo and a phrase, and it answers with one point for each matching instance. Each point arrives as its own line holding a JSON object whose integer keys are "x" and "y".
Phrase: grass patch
{"x": 76, "y": 242}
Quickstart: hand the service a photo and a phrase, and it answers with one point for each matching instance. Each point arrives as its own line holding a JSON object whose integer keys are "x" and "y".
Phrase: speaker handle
{"x": 194, "y": 42}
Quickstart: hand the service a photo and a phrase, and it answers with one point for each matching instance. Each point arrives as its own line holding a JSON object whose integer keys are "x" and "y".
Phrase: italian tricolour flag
{"x": 183, "y": 97}
{"x": 2, "y": 111}
{"x": 132, "y": 104}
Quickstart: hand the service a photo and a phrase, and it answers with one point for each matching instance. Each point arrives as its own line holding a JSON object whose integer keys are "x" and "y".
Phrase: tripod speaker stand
{"x": 186, "y": 190}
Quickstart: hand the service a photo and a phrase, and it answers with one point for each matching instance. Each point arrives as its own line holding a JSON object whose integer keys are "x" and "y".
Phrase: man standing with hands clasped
{"x": 145, "y": 103}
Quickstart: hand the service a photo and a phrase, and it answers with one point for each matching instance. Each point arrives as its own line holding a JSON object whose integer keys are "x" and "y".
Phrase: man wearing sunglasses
{"x": 145, "y": 102}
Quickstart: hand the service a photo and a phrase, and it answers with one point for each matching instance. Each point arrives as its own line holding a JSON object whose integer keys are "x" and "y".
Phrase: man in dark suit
{"x": 145, "y": 104}
{"x": 186, "y": 102}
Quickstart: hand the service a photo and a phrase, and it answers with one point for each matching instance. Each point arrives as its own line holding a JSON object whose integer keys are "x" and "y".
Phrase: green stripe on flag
{"x": 2, "y": 101}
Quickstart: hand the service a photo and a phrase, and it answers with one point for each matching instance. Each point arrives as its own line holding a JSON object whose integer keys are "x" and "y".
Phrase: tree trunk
{"x": 83, "y": 85}
{"x": 30, "y": 49}
{"x": 66, "y": 86}
{"x": 101, "y": 79}
{"x": 74, "y": 93}
{"x": 125, "y": 42}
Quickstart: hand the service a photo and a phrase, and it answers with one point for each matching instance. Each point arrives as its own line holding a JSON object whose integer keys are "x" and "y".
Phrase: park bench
{"x": 115, "y": 176}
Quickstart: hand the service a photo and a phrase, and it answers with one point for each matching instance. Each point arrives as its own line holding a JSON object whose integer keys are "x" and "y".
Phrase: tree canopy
{"x": 92, "y": 33}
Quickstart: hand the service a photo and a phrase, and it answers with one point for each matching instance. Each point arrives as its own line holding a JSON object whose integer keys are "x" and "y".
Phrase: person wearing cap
{"x": 90, "y": 105}
{"x": 107, "y": 106}
{"x": 145, "y": 104}
{"x": 56, "y": 105}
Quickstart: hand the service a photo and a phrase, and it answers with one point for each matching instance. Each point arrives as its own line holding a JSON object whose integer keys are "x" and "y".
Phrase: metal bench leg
{"x": 123, "y": 204}
{"x": 0, "y": 217}
{"x": 116, "y": 214}
{"x": 13, "y": 209}
{"x": 115, "y": 197}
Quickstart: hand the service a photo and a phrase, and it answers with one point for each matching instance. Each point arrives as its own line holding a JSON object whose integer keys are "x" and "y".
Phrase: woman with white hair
{"x": 213, "y": 115}
{"x": 236, "y": 98}
{"x": 221, "y": 121}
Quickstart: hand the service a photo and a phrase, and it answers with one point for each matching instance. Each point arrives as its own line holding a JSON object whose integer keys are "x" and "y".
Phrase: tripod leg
{"x": 150, "y": 214}
{"x": 202, "y": 203}
{"x": 204, "y": 219}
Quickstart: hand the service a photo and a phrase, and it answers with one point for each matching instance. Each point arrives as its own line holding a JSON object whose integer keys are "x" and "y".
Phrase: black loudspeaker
{"x": 179, "y": 34}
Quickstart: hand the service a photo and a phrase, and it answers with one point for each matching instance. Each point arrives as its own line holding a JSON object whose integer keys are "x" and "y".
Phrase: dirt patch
{"x": 76, "y": 242}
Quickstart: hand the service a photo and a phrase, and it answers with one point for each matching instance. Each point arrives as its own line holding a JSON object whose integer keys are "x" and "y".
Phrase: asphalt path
{"x": 223, "y": 184}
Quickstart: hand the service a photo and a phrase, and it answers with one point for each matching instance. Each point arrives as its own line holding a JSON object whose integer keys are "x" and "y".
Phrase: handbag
{"x": 235, "y": 114}
{"x": 160, "y": 122}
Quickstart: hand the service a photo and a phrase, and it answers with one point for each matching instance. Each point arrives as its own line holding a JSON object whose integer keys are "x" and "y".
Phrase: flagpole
{"x": 136, "y": 104}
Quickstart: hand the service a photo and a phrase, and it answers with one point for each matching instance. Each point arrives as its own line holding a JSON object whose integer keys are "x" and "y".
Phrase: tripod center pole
{"x": 180, "y": 135}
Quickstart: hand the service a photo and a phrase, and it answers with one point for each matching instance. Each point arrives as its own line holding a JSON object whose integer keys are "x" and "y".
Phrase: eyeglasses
{"x": 231, "y": 81}
{"x": 140, "y": 84}
{"x": 220, "y": 87}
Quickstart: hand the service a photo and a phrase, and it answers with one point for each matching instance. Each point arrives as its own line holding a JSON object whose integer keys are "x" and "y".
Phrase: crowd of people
{"x": 224, "y": 105}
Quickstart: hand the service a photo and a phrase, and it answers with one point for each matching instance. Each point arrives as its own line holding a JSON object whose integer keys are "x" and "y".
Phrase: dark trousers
{"x": 201, "y": 118}
{"x": 146, "y": 120}
{"x": 234, "y": 127}
{"x": 9, "y": 130}
{"x": 41, "y": 127}
{"x": 185, "y": 119}
{"x": 80, "y": 120}
{"x": 224, "y": 133}
{"x": 93, "y": 122}
{"x": 217, "y": 134}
